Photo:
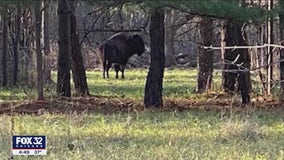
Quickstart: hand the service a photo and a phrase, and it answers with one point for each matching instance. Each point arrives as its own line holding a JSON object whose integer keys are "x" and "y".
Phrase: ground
{"x": 113, "y": 123}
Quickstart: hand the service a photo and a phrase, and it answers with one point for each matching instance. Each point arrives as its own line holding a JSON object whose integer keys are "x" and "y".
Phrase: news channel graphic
{"x": 29, "y": 145}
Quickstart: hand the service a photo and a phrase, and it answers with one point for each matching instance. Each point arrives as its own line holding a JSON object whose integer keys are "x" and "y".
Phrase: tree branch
{"x": 111, "y": 30}
{"x": 196, "y": 13}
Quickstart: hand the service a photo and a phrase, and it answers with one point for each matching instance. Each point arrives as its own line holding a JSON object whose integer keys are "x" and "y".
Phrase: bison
{"x": 118, "y": 49}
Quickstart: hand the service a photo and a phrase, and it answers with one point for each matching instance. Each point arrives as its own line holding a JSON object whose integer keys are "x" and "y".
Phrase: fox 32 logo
{"x": 29, "y": 145}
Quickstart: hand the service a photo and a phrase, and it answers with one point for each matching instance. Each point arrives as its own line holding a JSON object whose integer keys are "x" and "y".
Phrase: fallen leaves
{"x": 102, "y": 104}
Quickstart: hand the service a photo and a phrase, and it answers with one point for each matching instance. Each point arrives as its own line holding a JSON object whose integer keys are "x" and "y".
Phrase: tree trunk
{"x": 4, "y": 46}
{"x": 16, "y": 43}
{"x": 169, "y": 39}
{"x": 239, "y": 56}
{"x": 47, "y": 61}
{"x": 223, "y": 51}
{"x": 32, "y": 54}
{"x": 281, "y": 16}
{"x": 120, "y": 16}
{"x": 38, "y": 50}
{"x": 205, "y": 56}
{"x": 78, "y": 68}
{"x": 63, "y": 75}
{"x": 269, "y": 49}
{"x": 154, "y": 82}
{"x": 25, "y": 56}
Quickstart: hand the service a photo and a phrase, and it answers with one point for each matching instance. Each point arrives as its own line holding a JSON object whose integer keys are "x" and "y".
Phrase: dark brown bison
{"x": 118, "y": 49}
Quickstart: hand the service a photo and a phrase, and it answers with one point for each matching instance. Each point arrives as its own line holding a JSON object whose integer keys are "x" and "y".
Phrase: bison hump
{"x": 119, "y": 41}
{"x": 119, "y": 36}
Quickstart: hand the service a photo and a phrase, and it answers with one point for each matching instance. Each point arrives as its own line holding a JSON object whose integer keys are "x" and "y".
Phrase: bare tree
{"x": 170, "y": 31}
{"x": 47, "y": 61}
{"x": 37, "y": 9}
{"x": 4, "y": 46}
{"x": 154, "y": 83}
{"x": 16, "y": 43}
{"x": 205, "y": 56}
{"x": 63, "y": 75}
{"x": 78, "y": 68}
{"x": 281, "y": 16}
{"x": 27, "y": 58}
{"x": 270, "y": 40}
{"x": 238, "y": 59}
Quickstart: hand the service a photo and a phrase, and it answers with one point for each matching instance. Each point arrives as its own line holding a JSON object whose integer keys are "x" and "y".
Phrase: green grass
{"x": 177, "y": 83}
{"x": 152, "y": 135}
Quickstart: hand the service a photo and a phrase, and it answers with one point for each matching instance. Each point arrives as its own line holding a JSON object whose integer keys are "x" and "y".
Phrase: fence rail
{"x": 243, "y": 47}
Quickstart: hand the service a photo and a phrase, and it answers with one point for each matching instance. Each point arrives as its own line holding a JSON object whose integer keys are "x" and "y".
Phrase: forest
{"x": 142, "y": 79}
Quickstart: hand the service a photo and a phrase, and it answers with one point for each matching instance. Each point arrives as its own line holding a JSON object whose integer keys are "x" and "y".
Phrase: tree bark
{"x": 32, "y": 54}
{"x": 16, "y": 43}
{"x": 4, "y": 46}
{"x": 78, "y": 68}
{"x": 205, "y": 56}
{"x": 169, "y": 39}
{"x": 269, "y": 49}
{"x": 63, "y": 75}
{"x": 38, "y": 50}
{"x": 281, "y": 16}
{"x": 223, "y": 44}
{"x": 154, "y": 82}
{"x": 25, "y": 57}
{"x": 47, "y": 61}
{"x": 239, "y": 56}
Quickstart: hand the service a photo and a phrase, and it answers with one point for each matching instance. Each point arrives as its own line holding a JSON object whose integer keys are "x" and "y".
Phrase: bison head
{"x": 136, "y": 44}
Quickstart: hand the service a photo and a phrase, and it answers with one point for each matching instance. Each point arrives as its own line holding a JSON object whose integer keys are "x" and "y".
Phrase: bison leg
{"x": 116, "y": 68}
{"x": 108, "y": 67}
{"x": 122, "y": 71}
{"x": 104, "y": 68}
{"x": 243, "y": 87}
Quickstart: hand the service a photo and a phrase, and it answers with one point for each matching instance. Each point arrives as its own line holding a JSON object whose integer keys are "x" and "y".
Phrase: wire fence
{"x": 242, "y": 68}
{"x": 265, "y": 79}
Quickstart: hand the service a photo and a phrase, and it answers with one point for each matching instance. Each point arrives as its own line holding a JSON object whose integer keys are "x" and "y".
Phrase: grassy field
{"x": 152, "y": 135}
{"x": 177, "y": 83}
{"x": 194, "y": 134}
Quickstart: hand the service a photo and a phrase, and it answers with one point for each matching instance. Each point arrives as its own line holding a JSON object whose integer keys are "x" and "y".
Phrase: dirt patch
{"x": 100, "y": 104}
